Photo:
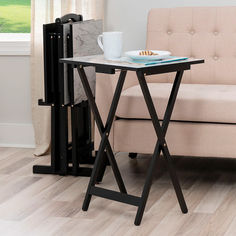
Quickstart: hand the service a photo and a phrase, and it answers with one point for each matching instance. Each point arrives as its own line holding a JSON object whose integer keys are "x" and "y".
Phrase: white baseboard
{"x": 16, "y": 135}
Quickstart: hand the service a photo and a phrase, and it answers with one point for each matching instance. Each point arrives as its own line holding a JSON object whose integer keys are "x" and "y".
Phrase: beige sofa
{"x": 204, "y": 118}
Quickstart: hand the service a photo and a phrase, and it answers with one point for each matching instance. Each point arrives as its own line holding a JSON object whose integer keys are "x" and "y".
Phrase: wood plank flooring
{"x": 51, "y": 205}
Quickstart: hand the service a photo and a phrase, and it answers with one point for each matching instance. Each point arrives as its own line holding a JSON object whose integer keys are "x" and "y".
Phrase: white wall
{"x": 130, "y": 16}
{"x": 15, "y": 102}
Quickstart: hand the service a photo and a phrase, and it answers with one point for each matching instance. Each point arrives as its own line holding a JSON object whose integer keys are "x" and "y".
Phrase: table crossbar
{"x": 116, "y": 196}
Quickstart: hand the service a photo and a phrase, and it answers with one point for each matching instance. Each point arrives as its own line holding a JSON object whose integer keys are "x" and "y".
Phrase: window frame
{"x": 14, "y": 43}
{"x": 17, "y": 44}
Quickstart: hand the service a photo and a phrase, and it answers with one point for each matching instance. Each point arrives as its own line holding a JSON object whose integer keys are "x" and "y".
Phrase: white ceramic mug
{"x": 111, "y": 44}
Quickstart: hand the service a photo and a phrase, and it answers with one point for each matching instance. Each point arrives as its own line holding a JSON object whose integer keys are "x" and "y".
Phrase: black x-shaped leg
{"x": 161, "y": 144}
{"x": 104, "y": 132}
{"x": 105, "y": 145}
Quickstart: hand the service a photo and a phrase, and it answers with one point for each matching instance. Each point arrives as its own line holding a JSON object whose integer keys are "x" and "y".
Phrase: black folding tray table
{"x": 66, "y": 156}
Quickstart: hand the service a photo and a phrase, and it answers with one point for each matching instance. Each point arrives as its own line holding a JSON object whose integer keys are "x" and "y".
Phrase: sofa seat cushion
{"x": 195, "y": 102}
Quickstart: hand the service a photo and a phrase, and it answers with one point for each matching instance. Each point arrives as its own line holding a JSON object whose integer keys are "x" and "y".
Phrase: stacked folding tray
{"x": 71, "y": 139}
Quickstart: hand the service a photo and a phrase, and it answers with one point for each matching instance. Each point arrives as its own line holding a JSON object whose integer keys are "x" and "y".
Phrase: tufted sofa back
{"x": 199, "y": 32}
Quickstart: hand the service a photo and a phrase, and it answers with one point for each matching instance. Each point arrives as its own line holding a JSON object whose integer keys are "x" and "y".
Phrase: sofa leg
{"x": 132, "y": 155}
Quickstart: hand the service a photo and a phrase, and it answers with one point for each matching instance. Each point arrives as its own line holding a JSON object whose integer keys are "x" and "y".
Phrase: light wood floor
{"x": 51, "y": 205}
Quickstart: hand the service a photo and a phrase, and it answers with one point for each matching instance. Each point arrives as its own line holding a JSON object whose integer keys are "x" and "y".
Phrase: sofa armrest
{"x": 105, "y": 88}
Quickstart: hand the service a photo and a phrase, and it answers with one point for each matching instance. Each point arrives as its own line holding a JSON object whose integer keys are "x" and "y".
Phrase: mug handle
{"x": 99, "y": 39}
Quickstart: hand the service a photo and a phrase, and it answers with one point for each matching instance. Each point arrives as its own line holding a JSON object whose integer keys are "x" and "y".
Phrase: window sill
{"x": 14, "y": 44}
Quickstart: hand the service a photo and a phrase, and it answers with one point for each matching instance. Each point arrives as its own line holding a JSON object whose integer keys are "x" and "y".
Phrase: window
{"x": 15, "y": 16}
